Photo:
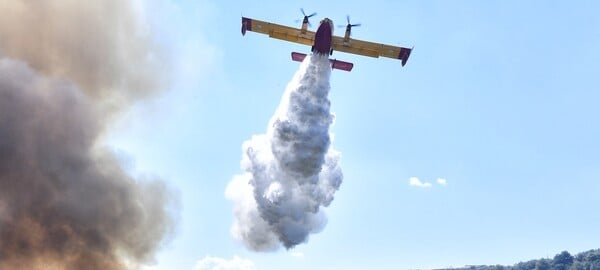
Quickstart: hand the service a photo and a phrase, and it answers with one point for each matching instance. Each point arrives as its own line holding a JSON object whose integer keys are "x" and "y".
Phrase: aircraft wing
{"x": 371, "y": 49}
{"x": 278, "y": 31}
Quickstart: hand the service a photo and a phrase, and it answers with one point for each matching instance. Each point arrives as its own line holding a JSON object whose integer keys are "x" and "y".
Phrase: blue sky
{"x": 499, "y": 98}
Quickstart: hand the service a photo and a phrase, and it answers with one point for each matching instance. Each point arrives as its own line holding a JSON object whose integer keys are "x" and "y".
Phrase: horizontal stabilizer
{"x": 298, "y": 57}
{"x": 337, "y": 64}
{"x": 341, "y": 65}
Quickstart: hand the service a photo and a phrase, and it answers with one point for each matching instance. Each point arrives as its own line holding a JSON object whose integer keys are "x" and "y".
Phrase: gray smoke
{"x": 103, "y": 46}
{"x": 292, "y": 170}
{"x": 66, "y": 68}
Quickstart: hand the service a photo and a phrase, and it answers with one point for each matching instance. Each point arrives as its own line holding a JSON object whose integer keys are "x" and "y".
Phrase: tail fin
{"x": 337, "y": 64}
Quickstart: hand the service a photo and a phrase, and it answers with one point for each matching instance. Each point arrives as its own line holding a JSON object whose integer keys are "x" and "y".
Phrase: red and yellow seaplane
{"x": 324, "y": 42}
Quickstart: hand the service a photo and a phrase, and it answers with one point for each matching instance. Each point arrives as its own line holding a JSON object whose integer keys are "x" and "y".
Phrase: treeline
{"x": 589, "y": 260}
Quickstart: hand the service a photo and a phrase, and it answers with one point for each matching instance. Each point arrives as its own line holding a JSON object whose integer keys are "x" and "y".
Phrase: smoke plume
{"x": 66, "y": 68}
{"x": 292, "y": 170}
{"x": 104, "y": 47}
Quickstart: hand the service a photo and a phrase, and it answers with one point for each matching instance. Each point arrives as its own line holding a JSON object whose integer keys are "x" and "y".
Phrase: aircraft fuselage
{"x": 323, "y": 37}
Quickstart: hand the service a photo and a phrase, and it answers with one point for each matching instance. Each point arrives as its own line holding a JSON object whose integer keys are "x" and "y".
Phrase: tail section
{"x": 341, "y": 65}
{"x": 337, "y": 64}
{"x": 298, "y": 57}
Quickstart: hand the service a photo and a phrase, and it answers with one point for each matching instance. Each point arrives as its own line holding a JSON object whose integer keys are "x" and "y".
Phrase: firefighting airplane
{"x": 324, "y": 42}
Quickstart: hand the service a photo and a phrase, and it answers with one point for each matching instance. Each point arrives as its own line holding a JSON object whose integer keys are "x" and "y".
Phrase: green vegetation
{"x": 589, "y": 260}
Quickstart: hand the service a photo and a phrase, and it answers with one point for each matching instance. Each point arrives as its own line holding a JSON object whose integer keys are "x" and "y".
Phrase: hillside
{"x": 588, "y": 260}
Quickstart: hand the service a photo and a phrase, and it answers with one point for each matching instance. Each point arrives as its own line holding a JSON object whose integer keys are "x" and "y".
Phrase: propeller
{"x": 349, "y": 25}
{"x": 305, "y": 20}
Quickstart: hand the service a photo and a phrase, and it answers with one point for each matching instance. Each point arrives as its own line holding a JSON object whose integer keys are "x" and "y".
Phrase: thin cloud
{"x": 442, "y": 181}
{"x": 414, "y": 181}
{"x": 217, "y": 263}
{"x": 297, "y": 254}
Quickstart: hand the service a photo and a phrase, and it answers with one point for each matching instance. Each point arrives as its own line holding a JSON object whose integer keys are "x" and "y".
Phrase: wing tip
{"x": 246, "y": 25}
{"x": 405, "y": 54}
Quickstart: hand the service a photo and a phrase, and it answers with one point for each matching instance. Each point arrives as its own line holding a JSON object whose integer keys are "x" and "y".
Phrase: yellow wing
{"x": 371, "y": 49}
{"x": 278, "y": 31}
